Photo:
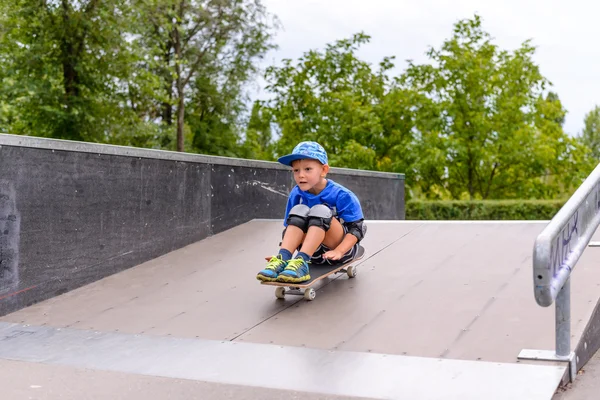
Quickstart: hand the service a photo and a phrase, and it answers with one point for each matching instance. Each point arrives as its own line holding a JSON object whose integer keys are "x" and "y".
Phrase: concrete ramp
{"x": 348, "y": 374}
{"x": 438, "y": 310}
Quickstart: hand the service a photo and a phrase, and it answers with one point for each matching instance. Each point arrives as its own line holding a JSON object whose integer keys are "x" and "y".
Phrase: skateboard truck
{"x": 310, "y": 293}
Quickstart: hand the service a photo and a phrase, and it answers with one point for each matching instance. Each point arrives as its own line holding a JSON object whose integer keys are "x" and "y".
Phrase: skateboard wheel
{"x": 280, "y": 292}
{"x": 351, "y": 271}
{"x": 310, "y": 294}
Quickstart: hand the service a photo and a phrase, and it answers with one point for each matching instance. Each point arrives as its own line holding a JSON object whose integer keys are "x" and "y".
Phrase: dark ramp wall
{"x": 72, "y": 213}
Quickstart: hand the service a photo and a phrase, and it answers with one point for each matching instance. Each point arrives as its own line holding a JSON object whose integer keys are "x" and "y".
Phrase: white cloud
{"x": 565, "y": 34}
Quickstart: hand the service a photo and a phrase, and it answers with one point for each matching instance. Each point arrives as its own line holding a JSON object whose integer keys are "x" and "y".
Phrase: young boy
{"x": 323, "y": 220}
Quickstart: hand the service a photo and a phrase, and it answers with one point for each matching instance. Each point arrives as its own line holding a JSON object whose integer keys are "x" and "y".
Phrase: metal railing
{"x": 556, "y": 251}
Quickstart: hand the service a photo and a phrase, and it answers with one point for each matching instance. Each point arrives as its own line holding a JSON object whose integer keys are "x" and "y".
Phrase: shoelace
{"x": 295, "y": 263}
{"x": 274, "y": 263}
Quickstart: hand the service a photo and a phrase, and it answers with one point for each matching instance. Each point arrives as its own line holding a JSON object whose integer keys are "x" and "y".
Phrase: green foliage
{"x": 475, "y": 123}
{"x": 122, "y": 72}
{"x": 65, "y": 68}
{"x": 482, "y": 209}
{"x": 591, "y": 132}
{"x": 492, "y": 131}
{"x": 335, "y": 98}
{"x": 206, "y": 51}
{"x": 258, "y": 143}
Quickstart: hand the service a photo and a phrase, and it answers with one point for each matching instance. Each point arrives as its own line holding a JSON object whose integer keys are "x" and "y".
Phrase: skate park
{"x": 130, "y": 273}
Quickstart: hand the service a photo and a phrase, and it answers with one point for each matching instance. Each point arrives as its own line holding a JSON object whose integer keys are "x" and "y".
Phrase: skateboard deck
{"x": 317, "y": 273}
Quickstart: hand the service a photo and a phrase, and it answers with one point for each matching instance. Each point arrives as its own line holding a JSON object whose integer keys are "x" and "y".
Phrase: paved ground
{"x": 447, "y": 291}
{"x": 34, "y": 381}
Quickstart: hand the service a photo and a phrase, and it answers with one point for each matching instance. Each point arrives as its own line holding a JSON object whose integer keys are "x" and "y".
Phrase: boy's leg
{"x": 322, "y": 228}
{"x": 335, "y": 235}
{"x": 292, "y": 238}
{"x": 317, "y": 235}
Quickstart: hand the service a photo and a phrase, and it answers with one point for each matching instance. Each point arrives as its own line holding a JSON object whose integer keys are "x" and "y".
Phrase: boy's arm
{"x": 350, "y": 211}
{"x": 347, "y": 243}
{"x": 350, "y": 239}
{"x": 356, "y": 233}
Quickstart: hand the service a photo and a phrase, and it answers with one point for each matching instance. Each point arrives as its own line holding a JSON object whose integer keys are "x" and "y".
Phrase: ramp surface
{"x": 433, "y": 291}
{"x": 331, "y": 373}
{"x": 25, "y": 380}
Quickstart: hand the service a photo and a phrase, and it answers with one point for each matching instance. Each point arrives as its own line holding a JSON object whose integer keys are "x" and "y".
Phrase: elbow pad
{"x": 357, "y": 228}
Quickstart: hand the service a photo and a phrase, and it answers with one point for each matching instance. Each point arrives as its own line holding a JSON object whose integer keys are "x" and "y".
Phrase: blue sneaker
{"x": 272, "y": 270}
{"x": 296, "y": 271}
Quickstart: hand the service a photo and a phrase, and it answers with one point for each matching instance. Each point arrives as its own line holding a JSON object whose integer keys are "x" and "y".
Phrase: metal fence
{"x": 556, "y": 251}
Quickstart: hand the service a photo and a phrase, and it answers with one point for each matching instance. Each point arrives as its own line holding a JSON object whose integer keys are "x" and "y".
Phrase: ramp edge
{"x": 378, "y": 376}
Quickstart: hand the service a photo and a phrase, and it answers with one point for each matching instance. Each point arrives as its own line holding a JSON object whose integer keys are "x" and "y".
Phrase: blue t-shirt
{"x": 341, "y": 200}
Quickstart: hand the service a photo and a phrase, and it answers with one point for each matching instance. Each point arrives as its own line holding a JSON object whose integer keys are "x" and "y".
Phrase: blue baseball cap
{"x": 304, "y": 150}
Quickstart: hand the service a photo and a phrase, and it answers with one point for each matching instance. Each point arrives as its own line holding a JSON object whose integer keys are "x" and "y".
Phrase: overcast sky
{"x": 566, "y": 34}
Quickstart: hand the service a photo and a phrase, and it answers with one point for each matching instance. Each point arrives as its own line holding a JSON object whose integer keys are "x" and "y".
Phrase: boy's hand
{"x": 333, "y": 255}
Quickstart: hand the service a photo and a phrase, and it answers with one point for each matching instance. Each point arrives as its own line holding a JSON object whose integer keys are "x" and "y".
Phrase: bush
{"x": 483, "y": 209}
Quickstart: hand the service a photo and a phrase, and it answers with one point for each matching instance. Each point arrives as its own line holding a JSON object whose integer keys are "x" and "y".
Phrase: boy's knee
{"x": 298, "y": 216}
{"x": 320, "y": 216}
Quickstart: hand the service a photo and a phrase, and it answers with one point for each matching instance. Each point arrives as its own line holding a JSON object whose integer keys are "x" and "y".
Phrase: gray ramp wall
{"x": 72, "y": 213}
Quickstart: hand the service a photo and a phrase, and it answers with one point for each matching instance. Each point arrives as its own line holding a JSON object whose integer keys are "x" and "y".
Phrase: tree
{"x": 337, "y": 99}
{"x": 258, "y": 142}
{"x": 492, "y": 132}
{"x": 206, "y": 50}
{"x": 591, "y": 132}
{"x": 64, "y": 67}
{"x": 114, "y": 70}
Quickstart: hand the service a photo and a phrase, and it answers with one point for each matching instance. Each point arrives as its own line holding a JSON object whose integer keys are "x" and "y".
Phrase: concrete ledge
{"x": 126, "y": 151}
{"x": 23, "y": 380}
{"x": 438, "y": 222}
{"x": 337, "y": 373}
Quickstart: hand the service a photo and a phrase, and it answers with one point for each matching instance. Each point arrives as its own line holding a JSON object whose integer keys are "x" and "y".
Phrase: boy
{"x": 323, "y": 220}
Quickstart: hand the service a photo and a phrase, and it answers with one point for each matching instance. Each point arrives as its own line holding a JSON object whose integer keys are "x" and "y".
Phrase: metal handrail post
{"x": 563, "y": 321}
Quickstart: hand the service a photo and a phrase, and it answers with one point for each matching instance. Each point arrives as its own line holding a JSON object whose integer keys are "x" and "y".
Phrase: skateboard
{"x": 317, "y": 272}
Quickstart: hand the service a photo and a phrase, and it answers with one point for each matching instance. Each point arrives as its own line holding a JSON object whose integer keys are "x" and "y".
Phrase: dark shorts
{"x": 317, "y": 257}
